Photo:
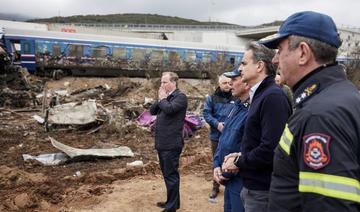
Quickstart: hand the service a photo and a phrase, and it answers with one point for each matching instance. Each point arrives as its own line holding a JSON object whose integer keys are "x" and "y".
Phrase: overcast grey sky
{"x": 250, "y": 12}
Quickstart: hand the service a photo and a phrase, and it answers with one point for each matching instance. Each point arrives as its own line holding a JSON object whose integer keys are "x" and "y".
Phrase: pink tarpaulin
{"x": 192, "y": 123}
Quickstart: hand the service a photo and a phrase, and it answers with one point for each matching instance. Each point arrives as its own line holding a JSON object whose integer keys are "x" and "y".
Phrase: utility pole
{"x": 211, "y": 4}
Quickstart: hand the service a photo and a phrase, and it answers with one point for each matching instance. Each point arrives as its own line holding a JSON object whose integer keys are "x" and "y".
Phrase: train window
{"x": 76, "y": 50}
{"x": 174, "y": 57}
{"x": 157, "y": 55}
{"x": 99, "y": 52}
{"x": 17, "y": 46}
{"x": 119, "y": 53}
{"x": 199, "y": 56}
{"x": 220, "y": 57}
{"x": 214, "y": 56}
{"x": 15, "y": 49}
{"x": 148, "y": 54}
{"x": 56, "y": 50}
{"x": 206, "y": 58}
{"x": 17, "y": 52}
{"x": 190, "y": 56}
{"x": 26, "y": 49}
{"x": 139, "y": 54}
{"x": 40, "y": 47}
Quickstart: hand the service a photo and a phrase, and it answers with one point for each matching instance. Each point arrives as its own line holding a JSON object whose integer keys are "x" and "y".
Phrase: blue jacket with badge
{"x": 216, "y": 109}
{"x": 230, "y": 141}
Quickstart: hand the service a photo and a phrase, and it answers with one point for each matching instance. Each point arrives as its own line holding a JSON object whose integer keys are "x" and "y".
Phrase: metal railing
{"x": 349, "y": 28}
{"x": 256, "y": 30}
{"x": 130, "y": 26}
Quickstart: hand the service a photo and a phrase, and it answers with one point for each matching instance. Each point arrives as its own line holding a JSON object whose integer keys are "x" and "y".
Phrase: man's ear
{"x": 260, "y": 66}
{"x": 305, "y": 53}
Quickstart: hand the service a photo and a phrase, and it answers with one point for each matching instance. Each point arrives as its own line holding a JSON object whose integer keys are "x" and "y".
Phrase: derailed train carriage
{"x": 56, "y": 53}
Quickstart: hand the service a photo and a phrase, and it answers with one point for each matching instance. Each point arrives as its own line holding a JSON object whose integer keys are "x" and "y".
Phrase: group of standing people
{"x": 272, "y": 151}
{"x": 243, "y": 160}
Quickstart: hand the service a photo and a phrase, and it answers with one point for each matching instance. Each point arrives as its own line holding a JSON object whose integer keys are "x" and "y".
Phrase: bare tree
{"x": 353, "y": 66}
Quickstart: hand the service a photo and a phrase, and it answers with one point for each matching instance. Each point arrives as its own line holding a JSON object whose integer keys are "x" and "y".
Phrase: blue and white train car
{"x": 47, "y": 52}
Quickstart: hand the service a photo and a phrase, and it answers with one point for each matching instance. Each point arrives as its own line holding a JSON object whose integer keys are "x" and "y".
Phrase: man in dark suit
{"x": 170, "y": 111}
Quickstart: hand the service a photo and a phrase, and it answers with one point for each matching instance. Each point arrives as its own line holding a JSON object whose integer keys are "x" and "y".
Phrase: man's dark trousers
{"x": 214, "y": 145}
{"x": 169, "y": 164}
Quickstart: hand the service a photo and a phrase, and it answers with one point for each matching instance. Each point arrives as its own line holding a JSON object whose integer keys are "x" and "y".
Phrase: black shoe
{"x": 161, "y": 204}
{"x": 214, "y": 193}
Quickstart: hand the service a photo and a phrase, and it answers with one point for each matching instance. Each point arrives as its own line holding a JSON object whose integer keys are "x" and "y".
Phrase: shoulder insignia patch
{"x": 316, "y": 150}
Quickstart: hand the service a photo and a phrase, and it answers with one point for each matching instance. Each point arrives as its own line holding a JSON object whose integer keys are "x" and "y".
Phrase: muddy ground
{"x": 99, "y": 184}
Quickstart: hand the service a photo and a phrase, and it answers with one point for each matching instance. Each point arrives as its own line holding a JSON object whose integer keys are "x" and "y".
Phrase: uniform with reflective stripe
{"x": 328, "y": 108}
{"x": 330, "y": 185}
{"x": 286, "y": 140}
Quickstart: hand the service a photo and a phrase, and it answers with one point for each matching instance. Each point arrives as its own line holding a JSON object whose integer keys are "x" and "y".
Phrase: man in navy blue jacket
{"x": 216, "y": 108}
{"x": 170, "y": 111}
{"x": 266, "y": 120}
{"x": 230, "y": 141}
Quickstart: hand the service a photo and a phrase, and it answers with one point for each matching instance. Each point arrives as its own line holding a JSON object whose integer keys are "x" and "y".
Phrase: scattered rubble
{"x": 28, "y": 179}
{"x": 16, "y": 89}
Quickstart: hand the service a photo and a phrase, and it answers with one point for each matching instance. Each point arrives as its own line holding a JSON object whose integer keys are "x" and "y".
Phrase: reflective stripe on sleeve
{"x": 286, "y": 140}
{"x": 330, "y": 186}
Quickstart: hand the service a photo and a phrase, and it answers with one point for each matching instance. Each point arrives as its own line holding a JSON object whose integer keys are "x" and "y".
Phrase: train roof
{"x": 118, "y": 40}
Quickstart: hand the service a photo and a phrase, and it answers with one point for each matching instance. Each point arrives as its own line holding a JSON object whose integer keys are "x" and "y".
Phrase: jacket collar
{"x": 316, "y": 81}
{"x": 269, "y": 80}
{"x": 221, "y": 93}
{"x": 174, "y": 93}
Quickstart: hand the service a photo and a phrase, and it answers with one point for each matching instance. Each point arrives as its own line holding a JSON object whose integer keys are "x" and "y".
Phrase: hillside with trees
{"x": 13, "y": 17}
{"x": 133, "y": 18}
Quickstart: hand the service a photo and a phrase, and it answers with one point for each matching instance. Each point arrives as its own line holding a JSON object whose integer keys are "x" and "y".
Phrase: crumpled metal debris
{"x": 73, "y": 113}
{"x": 122, "y": 151}
{"x": 135, "y": 164}
{"x": 70, "y": 153}
{"x": 39, "y": 119}
{"x": 48, "y": 159}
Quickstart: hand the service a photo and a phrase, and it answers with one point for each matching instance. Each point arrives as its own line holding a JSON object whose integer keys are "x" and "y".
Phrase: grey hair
{"x": 221, "y": 77}
{"x": 323, "y": 52}
{"x": 264, "y": 54}
{"x": 173, "y": 76}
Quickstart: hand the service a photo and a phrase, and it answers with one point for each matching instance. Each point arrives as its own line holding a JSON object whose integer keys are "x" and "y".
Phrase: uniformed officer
{"x": 316, "y": 164}
{"x": 230, "y": 141}
{"x": 216, "y": 108}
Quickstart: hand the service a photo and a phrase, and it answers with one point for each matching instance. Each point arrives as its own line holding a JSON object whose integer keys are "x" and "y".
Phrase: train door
{"x": 22, "y": 53}
{"x": 14, "y": 48}
{"x": 27, "y": 55}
